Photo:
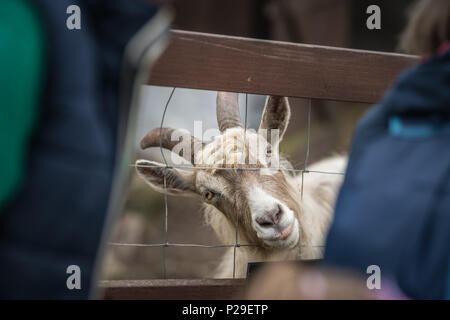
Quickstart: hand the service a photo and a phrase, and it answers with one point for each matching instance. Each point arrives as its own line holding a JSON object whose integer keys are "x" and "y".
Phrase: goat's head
{"x": 237, "y": 172}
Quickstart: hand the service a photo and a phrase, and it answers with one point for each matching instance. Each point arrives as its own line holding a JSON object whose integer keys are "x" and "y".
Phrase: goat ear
{"x": 276, "y": 115}
{"x": 178, "y": 182}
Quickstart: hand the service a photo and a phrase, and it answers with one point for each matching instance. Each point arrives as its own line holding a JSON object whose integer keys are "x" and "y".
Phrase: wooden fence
{"x": 216, "y": 62}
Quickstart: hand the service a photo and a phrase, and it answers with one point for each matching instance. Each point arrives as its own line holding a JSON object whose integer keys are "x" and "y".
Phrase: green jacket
{"x": 21, "y": 58}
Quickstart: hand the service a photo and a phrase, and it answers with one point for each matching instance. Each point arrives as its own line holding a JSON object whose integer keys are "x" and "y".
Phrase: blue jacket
{"x": 56, "y": 218}
{"x": 393, "y": 209}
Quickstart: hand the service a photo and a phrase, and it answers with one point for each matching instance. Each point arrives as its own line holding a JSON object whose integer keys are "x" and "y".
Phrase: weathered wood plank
{"x": 193, "y": 289}
{"x": 215, "y": 62}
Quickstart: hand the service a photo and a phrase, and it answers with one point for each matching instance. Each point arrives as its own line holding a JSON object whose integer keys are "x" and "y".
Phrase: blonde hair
{"x": 428, "y": 27}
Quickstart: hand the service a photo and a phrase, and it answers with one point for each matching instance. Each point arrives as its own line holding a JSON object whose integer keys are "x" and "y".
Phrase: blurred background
{"x": 339, "y": 23}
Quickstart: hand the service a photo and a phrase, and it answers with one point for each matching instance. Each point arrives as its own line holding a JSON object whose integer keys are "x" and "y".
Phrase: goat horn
{"x": 163, "y": 137}
{"x": 227, "y": 111}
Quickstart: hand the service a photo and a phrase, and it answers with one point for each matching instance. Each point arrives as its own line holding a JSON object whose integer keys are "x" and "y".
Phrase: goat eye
{"x": 208, "y": 195}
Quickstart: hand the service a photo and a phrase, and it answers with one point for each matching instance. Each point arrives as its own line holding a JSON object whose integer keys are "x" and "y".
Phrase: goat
{"x": 238, "y": 183}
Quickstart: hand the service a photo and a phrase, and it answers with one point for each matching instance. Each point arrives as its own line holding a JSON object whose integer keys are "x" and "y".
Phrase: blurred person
{"x": 292, "y": 281}
{"x": 58, "y": 132}
{"x": 393, "y": 209}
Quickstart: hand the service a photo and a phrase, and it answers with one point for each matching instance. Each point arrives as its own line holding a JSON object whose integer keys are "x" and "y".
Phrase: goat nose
{"x": 270, "y": 217}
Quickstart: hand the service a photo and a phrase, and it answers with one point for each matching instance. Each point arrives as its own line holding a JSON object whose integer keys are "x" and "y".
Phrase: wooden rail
{"x": 174, "y": 289}
{"x": 215, "y": 62}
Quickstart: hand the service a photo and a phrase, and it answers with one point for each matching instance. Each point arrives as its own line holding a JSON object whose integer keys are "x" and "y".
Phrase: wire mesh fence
{"x": 236, "y": 245}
